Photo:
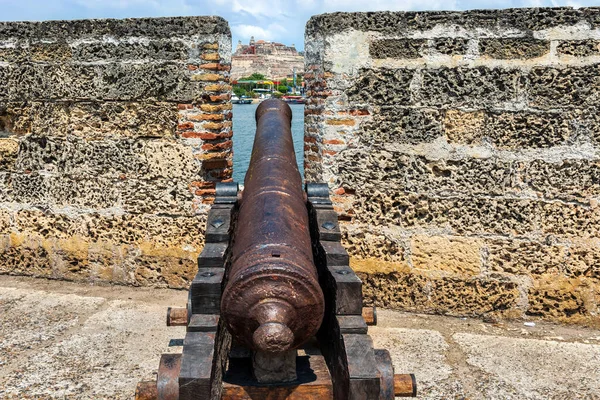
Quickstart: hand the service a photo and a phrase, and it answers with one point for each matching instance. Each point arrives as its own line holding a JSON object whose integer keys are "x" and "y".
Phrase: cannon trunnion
{"x": 275, "y": 311}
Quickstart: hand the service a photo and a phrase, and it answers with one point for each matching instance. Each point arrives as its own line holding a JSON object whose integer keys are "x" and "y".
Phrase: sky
{"x": 272, "y": 20}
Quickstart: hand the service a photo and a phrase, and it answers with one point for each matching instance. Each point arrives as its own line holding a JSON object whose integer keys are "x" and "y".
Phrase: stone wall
{"x": 112, "y": 135}
{"x": 463, "y": 151}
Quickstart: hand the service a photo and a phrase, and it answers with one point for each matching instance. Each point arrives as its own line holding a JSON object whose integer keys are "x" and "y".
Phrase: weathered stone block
{"x": 472, "y": 215}
{"x": 382, "y": 87}
{"x": 168, "y": 196}
{"x": 363, "y": 243}
{"x": 563, "y": 299}
{"x": 50, "y": 52}
{"x": 518, "y": 48}
{"x": 161, "y": 49}
{"x": 172, "y": 272}
{"x": 569, "y": 179}
{"x": 166, "y": 81}
{"x": 509, "y": 130}
{"x": 513, "y": 130}
{"x": 9, "y": 148}
{"x": 524, "y": 257}
{"x": 464, "y": 127}
{"x": 24, "y": 256}
{"x": 5, "y": 188}
{"x": 178, "y": 232}
{"x": 429, "y": 293}
{"x": 76, "y": 157}
{"x": 449, "y": 178}
{"x": 408, "y": 173}
{"x": 451, "y": 46}
{"x": 93, "y": 120}
{"x": 456, "y": 255}
{"x": 550, "y": 87}
{"x": 584, "y": 258}
{"x": 157, "y": 28}
{"x": 402, "y": 125}
{"x": 579, "y": 48}
{"x": 390, "y": 23}
{"x": 397, "y": 48}
{"x": 462, "y": 86}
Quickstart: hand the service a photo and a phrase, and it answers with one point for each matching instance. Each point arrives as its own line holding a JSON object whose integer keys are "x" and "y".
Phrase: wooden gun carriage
{"x": 275, "y": 311}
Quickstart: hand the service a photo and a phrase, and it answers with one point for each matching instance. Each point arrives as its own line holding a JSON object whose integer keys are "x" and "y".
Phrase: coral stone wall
{"x": 112, "y": 134}
{"x": 462, "y": 149}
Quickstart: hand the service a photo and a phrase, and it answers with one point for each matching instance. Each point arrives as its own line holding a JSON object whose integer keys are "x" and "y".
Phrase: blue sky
{"x": 273, "y": 20}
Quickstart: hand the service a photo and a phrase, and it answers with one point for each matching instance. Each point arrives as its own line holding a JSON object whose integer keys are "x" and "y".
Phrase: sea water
{"x": 244, "y": 127}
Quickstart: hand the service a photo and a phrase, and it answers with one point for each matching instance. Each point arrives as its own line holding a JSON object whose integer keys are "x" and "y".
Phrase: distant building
{"x": 262, "y": 47}
{"x": 272, "y": 59}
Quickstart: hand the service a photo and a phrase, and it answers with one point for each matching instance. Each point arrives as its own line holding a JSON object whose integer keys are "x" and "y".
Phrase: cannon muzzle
{"x": 272, "y": 301}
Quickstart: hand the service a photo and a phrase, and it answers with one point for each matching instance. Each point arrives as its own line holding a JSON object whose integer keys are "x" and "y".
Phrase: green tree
{"x": 239, "y": 91}
{"x": 254, "y": 77}
{"x": 283, "y": 88}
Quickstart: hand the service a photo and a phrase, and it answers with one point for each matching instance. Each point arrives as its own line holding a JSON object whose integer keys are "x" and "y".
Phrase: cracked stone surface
{"x": 62, "y": 340}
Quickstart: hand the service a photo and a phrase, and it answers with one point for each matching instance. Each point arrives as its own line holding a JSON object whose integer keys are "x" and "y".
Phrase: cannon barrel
{"x": 272, "y": 301}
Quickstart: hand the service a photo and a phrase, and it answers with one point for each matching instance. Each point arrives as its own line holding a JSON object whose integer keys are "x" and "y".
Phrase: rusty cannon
{"x": 275, "y": 311}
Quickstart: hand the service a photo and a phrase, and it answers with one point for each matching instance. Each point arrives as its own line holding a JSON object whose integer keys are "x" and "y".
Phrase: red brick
{"x": 210, "y": 56}
{"x": 219, "y": 97}
{"x": 214, "y": 164}
{"x": 185, "y": 126}
{"x": 333, "y": 141}
{"x": 207, "y": 135}
{"x": 208, "y": 77}
{"x": 347, "y": 122}
{"x": 339, "y": 191}
{"x": 217, "y": 146}
{"x": 203, "y": 184}
{"x": 205, "y": 117}
{"x": 204, "y": 192}
{"x": 215, "y": 67}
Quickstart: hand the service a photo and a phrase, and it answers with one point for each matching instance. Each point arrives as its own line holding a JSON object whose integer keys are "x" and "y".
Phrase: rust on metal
{"x": 405, "y": 385}
{"x": 272, "y": 301}
{"x": 146, "y": 390}
{"x": 177, "y": 316}
{"x": 369, "y": 314}
{"x": 167, "y": 382}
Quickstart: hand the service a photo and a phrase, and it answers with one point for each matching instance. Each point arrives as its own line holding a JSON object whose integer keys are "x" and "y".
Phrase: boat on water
{"x": 293, "y": 99}
{"x": 241, "y": 100}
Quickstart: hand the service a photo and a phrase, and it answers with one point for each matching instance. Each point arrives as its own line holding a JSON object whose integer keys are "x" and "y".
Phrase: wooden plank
{"x": 327, "y": 222}
{"x": 362, "y": 367}
{"x": 352, "y": 324}
{"x": 314, "y": 382}
{"x": 348, "y": 290}
{"x": 217, "y": 225}
{"x": 335, "y": 253}
{"x": 203, "y": 323}
{"x": 196, "y": 366}
{"x": 205, "y": 292}
{"x": 213, "y": 255}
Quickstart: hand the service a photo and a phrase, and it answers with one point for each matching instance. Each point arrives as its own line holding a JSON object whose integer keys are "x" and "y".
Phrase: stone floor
{"x": 63, "y": 340}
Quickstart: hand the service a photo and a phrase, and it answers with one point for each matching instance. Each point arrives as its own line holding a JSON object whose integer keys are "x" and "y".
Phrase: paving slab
{"x": 62, "y": 340}
{"x": 533, "y": 368}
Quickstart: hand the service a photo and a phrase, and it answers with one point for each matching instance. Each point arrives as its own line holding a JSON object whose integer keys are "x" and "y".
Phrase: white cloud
{"x": 271, "y": 32}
